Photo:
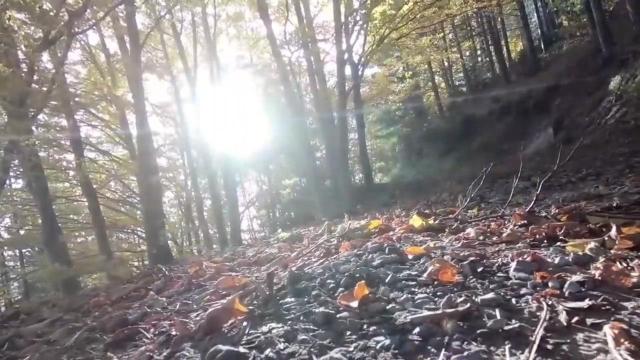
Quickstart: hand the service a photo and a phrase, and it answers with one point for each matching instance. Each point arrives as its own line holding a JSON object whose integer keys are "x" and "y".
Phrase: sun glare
{"x": 232, "y": 118}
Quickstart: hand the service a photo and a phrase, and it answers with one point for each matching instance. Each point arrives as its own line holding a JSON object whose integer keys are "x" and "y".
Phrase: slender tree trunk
{"x": 542, "y": 26}
{"x": 447, "y": 54}
{"x": 603, "y": 32}
{"x": 533, "y": 63}
{"x": 230, "y": 184}
{"x": 151, "y": 195}
{"x": 216, "y": 201}
{"x": 26, "y": 288}
{"x": 445, "y": 78}
{"x": 305, "y": 155}
{"x": 484, "y": 32}
{"x": 114, "y": 83}
{"x": 77, "y": 147}
{"x": 341, "y": 109}
{"x": 497, "y": 48}
{"x": 465, "y": 70}
{"x": 505, "y": 35}
{"x": 8, "y": 155}
{"x": 474, "y": 46}
{"x": 435, "y": 89}
{"x": 358, "y": 108}
{"x": 633, "y": 7}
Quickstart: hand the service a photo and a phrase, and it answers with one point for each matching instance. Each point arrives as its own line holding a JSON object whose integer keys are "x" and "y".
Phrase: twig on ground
{"x": 473, "y": 189}
{"x": 537, "y": 335}
{"x": 514, "y": 185}
{"x": 558, "y": 164}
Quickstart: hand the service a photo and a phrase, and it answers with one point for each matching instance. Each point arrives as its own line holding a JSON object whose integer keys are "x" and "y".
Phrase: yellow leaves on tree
{"x": 443, "y": 271}
{"x": 351, "y": 299}
{"x": 231, "y": 282}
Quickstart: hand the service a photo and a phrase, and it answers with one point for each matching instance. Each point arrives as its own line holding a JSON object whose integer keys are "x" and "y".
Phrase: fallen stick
{"x": 514, "y": 185}
{"x": 537, "y": 335}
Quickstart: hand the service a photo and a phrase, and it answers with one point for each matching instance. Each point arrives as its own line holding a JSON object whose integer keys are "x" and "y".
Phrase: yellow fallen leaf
{"x": 419, "y": 223}
{"x": 374, "y": 224}
{"x": 576, "y": 247}
{"x": 238, "y": 308}
{"x": 415, "y": 251}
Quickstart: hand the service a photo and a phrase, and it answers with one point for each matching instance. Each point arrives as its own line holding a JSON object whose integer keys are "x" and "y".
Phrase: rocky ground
{"x": 458, "y": 276}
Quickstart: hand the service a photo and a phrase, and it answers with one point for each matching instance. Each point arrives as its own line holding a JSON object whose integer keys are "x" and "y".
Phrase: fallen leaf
{"x": 414, "y": 251}
{"x": 215, "y": 319}
{"x": 615, "y": 274}
{"x": 626, "y": 237}
{"x": 352, "y": 299}
{"x": 231, "y": 282}
{"x": 622, "y": 344}
{"x": 576, "y": 247}
{"x": 443, "y": 271}
{"x": 542, "y": 276}
{"x": 374, "y": 224}
{"x": 418, "y": 223}
{"x": 239, "y": 309}
{"x": 351, "y": 245}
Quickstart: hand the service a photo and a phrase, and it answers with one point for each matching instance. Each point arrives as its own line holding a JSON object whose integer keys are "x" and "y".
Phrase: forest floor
{"x": 470, "y": 275}
{"x": 440, "y": 279}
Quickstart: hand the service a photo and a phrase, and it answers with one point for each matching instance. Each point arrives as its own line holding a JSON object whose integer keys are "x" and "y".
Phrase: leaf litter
{"x": 560, "y": 280}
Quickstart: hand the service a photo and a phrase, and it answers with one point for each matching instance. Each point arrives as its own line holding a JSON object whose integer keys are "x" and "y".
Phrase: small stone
{"x": 555, "y": 284}
{"x": 353, "y": 325}
{"x": 478, "y": 354}
{"x": 449, "y": 302}
{"x": 375, "y": 308}
{"x": 596, "y": 250}
{"x": 386, "y": 260}
{"x": 572, "y": 287}
{"x": 391, "y": 279}
{"x": 384, "y": 292}
{"x": 581, "y": 259}
{"x": 394, "y": 308}
{"x": 497, "y": 324}
{"x": 490, "y": 300}
{"x": 427, "y": 331}
{"x": 522, "y": 266}
{"x": 324, "y": 317}
{"x": 517, "y": 283}
{"x": 223, "y": 352}
{"x": 562, "y": 261}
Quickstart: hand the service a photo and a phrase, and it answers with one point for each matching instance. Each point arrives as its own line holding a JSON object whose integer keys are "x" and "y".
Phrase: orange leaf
{"x": 443, "y": 271}
{"x": 415, "y": 251}
{"x": 239, "y": 310}
{"x": 542, "y": 276}
{"x": 352, "y": 299}
{"x": 621, "y": 341}
{"x": 230, "y": 282}
{"x": 345, "y": 247}
{"x": 615, "y": 274}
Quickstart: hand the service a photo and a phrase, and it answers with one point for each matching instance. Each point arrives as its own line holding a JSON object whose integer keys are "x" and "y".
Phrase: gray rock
{"x": 394, "y": 308}
{"x": 391, "y": 279}
{"x": 353, "y": 325}
{"x": 375, "y": 308}
{"x": 572, "y": 287}
{"x": 596, "y": 250}
{"x": 449, "y": 302}
{"x": 223, "y": 352}
{"x": 490, "y": 300}
{"x": 555, "y": 284}
{"x": 386, "y": 260}
{"x": 523, "y": 266}
{"x": 562, "y": 261}
{"x": 477, "y": 354}
{"x": 427, "y": 331}
{"x": 581, "y": 259}
{"x": 323, "y": 317}
{"x": 497, "y": 324}
{"x": 517, "y": 283}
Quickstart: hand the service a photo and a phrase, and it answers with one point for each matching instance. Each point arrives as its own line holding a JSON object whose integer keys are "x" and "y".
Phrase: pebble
{"x": 490, "y": 300}
{"x": 555, "y": 284}
{"x": 523, "y": 266}
{"x": 517, "y": 283}
{"x": 375, "y": 308}
{"x": 386, "y": 260}
{"x": 223, "y": 352}
{"x": 427, "y": 331}
{"x": 324, "y": 317}
{"x": 581, "y": 259}
{"x": 497, "y": 324}
{"x": 572, "y": 287}
{"x": 449, "y": 302}
{"x": 562, "y": 261}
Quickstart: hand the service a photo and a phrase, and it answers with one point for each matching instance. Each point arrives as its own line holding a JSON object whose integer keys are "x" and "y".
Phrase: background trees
{"x": 107, "y": 149}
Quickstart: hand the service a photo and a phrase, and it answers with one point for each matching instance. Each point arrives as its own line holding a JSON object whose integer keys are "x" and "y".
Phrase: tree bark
{"x": 77, "y": 147}
{"x": 151, "y": 194}
{"x": 8, "y": 155}
{"x": 633, "y": 7}
{"x": 603, "y": 32}
{"x": 230, "y": 184}
{"x": 474, "y": 45}
{"x": 305, "y": 155}
{"x": 542, "y": 26}
{"x": 445, "y": 78}
{"x": 341, "y": 110}
{"x": 465, "y": 71}
{"x": 505, "y": 35}
{"x": 447, "y": 58}
{"x": 484, "y": 32}
{"x": 497, "y": 48}
{"x": 533, "y": 63}
{"x": 435, "y": 89}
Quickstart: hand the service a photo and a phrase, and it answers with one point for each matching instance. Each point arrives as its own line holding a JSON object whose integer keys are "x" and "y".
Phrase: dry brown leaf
{"x": 542, "y": 276}
{"x": 615, "y": 274}
{"x": 231, "y": 282}
{"x": 443, "y": 271}
{"x": 351, "y": 299}
{"x": 622, "y": 344}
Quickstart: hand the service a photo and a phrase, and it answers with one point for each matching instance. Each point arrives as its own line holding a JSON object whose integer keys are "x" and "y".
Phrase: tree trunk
{"x": 603, "y": 32}
{"x": 445, "y": 78}
{"x": 26, "y": 288}
{"x": 156, "y": 235}
{"x": 216, "y": 201}
{"x": 341, "y": 110}
{"x": 474, "y": 45}
{"x": 465, "y": 71}
{"x": 633, "y": 7}
{"x": 8, "y": 155}
{"x": 484, "y": 32}
{"x": 533, "y": 63}
{"x": 319, "y": 92}
{"x": 230, "y": 184}
{"x": 447, "y": 53}
{"x": 497, "y": 48}
{"x": 435, "y": 89}
{"x": 358, "y": 109}
{"x": 505, "y": 35}
{"x": 305, "y": 155}
{"x": 542, "y": 26}
{"x": 77, "y": 147}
